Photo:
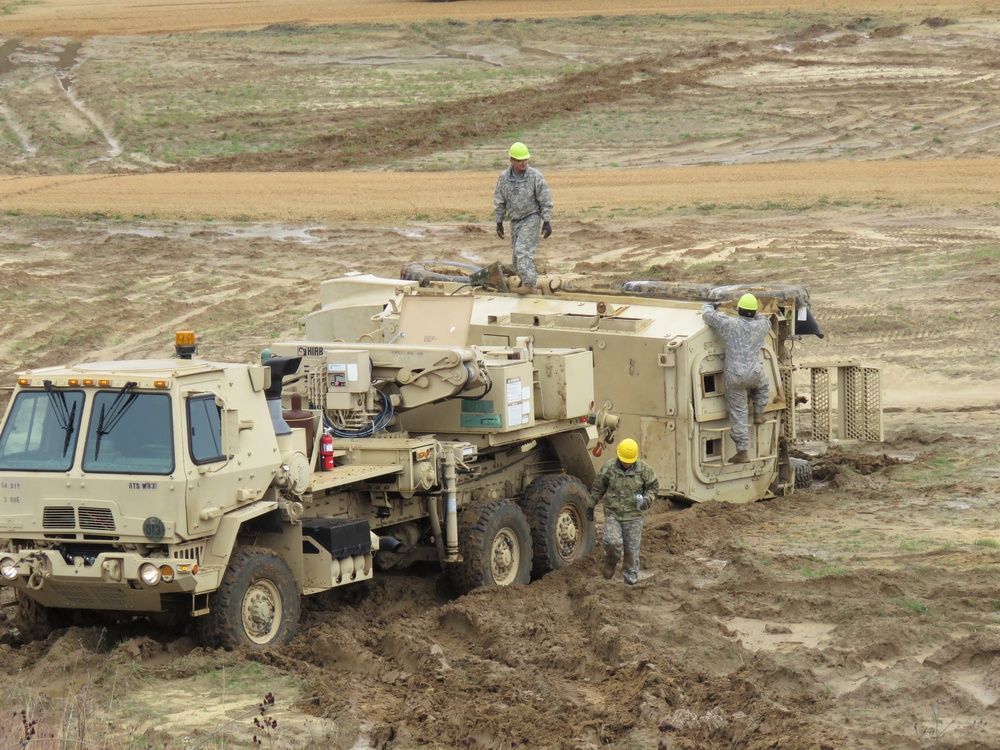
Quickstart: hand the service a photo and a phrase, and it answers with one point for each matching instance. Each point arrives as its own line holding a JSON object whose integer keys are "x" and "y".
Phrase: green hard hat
{"x": 519, "y": 151}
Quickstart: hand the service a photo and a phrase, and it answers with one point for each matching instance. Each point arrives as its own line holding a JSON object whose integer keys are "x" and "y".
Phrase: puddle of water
{"x": 66, "y": 61}
{"x": 6, "y": 50}
{"x": 258, "y": 231}
{"x": 972, "y": 683}
{"x": 759, "y": 635}
{"x": 543, "y": 53}
{"x": 459, "y": 55}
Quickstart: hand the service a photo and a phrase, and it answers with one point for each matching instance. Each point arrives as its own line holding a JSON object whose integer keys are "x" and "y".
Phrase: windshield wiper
{"x": 107, "y": 422}
{"x": 64, "y": 416}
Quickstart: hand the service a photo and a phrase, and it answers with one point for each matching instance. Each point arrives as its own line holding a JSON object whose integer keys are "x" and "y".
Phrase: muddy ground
{"x": 849, "y": 152}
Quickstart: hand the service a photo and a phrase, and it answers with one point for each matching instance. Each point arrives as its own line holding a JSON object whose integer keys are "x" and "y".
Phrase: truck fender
{"x": 220, "y": 547}
{"x": 572, "y": 450}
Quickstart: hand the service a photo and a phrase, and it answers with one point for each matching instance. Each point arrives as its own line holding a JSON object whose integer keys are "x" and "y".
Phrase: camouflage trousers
{"x": 618, "y": 535}
{"x": 524, "y": 235}
{"x": 759, "y": 390}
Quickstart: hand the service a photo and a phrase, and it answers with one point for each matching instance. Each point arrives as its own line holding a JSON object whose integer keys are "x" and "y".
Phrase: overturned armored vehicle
{"x": 657, "y": 366}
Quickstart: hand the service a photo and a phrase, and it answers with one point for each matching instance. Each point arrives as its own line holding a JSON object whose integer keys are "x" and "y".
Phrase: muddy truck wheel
{"x": 426, "y": 271}
{"x": 556, "y": 508}
{"x": 803, "y": 473}
{"x": 494, "y": 541}
{"x": 36, "y": 622}
{"x": 257, "y": 604}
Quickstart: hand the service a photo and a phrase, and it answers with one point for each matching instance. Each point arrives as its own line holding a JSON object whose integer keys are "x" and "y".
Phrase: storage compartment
{"x": 509, "y": 405}
{"x": 564, "y": 387}
{"x": 339, "y": 538}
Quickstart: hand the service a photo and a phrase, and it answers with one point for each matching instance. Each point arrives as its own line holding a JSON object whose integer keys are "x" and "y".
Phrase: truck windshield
{"x": 41, "y": 431}
{"x": 129, "y": 433}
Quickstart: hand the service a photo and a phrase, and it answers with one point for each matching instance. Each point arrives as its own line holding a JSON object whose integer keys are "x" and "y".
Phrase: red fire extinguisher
{"x": 326, "y": 451}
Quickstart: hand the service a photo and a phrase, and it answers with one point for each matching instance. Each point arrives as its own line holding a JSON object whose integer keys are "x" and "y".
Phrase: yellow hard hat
{"x": 519, "y": 151}
{"x": 747, "y": 302}
{"x": 628, "y": 451}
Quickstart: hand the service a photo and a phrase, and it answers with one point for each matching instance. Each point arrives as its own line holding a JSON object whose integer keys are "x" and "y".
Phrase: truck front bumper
{"x": 112, "y": 581}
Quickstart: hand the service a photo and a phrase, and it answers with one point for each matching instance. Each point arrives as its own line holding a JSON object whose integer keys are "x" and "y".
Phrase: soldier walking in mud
{"x": 627, "y": 485}
{"x": 523, "y": 195}
{"x": 744, "y": 374}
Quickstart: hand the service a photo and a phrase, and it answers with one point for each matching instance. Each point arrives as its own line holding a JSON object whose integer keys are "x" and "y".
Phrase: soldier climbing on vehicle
{"x": 744, "y": 373}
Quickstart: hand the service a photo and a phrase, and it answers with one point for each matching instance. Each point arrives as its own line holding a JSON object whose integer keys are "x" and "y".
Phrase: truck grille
{"x": 91, "y": 519}
{"x": 96, "y": 519}
{"x": 59, "y": 518}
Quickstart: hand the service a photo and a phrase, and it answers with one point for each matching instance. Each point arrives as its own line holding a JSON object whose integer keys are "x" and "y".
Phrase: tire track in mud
{"x": 449, "y": 125}
{"x": 59, "y": 60}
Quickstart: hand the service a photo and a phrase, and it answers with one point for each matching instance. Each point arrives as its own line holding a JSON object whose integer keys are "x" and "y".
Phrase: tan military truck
{"x": 197, "y": 492}
{"x": 417, "y": 421}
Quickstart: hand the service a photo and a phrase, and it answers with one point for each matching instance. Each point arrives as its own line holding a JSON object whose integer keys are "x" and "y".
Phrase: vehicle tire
{"x": 173, "y": 621}
{"x": 494, "y": 541}
{"x": 780, "y": 292}
{"x": 426, "y": 271}
{"x": 803, "y": 473}
{"x": 668, "y": 290}
{"x": 257, "y": 604}
{"x": 36, "y": 622}
{"x": 707, "y": 292}
{"x": 555, "y": 506}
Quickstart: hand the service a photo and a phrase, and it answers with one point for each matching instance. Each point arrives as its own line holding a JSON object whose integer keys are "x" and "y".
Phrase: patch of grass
{"x": 911, "y": 604}
{"x": 992, "y": 543}
{"x": 823, "y": 571}
{"x": 924, "y": 544}
{"x": 934, "y": 470}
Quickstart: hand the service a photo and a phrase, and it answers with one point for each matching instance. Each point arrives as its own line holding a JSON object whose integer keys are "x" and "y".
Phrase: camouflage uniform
{"x": 744, "y": 372}
{"x": 623, "y": 518}
{"x": 528, "y": 201}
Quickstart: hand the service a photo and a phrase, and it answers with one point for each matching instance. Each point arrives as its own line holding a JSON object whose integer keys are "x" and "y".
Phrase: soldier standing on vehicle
{"x": 628, "y": 486}
{"x": 744, "y": 374}
{"x": 523, "y": 195}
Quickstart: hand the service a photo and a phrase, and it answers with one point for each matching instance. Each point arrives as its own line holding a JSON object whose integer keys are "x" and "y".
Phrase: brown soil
{"x": 860, "y": 613}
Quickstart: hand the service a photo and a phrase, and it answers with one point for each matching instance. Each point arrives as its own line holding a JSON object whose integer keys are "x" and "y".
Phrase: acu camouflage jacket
{"x": 618, "y": 489}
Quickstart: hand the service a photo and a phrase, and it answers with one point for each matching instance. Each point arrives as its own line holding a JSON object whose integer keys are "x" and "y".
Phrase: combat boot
{"x": 741, "y": 457}
{"x": 759, "y": 418}
{"x": 608, "y": 569}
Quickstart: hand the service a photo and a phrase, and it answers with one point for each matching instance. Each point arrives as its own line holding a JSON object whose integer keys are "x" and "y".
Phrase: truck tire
{"x": 803, "y": 473}
{"x": 668, "y": 289}
{"x": 494, "y": 540}
{"x": 36, "y": 622}
{"x": 426, "y": 271}
{"x": 556, "y": 508}
{"x": 257, "y": 604}
{"x": 705, "y": 292}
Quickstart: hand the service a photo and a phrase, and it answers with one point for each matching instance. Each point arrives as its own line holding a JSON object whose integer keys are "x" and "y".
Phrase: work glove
{"x": 590, "y": 514}
{"x": 546, "y": 230}
{"x": 641, "y": 502}
{"x": 500, "y": 229}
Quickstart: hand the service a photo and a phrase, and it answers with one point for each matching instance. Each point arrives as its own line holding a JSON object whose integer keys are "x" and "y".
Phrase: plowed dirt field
{"x": 206, "y": 165}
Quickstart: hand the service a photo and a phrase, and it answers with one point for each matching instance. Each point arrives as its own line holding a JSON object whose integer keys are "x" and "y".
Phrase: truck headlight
{"x": 149, "y": 573}
{"x": 8, "y": 568}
